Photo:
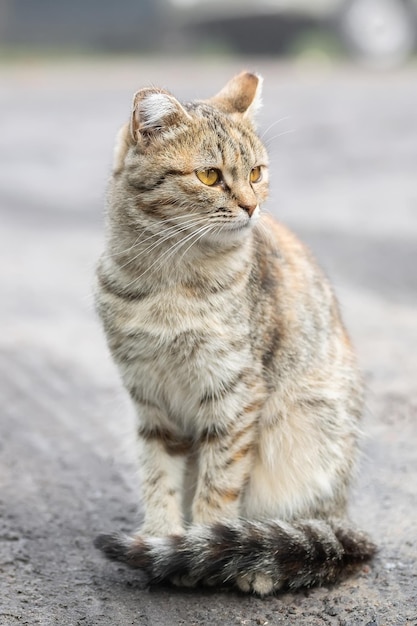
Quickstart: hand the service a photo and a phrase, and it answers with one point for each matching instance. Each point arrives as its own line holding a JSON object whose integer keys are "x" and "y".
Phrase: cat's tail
{"x": 261, "y": 557}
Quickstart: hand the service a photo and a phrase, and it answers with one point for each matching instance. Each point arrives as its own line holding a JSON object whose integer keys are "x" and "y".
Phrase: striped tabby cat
{"x": 229, "y": 341}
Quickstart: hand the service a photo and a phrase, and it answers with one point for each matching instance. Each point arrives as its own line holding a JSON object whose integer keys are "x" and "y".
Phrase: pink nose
{"x": 249, "y": 208}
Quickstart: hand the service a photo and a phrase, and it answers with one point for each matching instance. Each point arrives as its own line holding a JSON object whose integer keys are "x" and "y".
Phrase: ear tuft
{"x": 155, "y": 110}
{"x": 241, "y": 95}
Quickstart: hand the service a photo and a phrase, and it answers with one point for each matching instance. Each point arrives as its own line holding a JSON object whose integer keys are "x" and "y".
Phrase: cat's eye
{"x": 256, "y": 174}
{"x": 209, "y": 177}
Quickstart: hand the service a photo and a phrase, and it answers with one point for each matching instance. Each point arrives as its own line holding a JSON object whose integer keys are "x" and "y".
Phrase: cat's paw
{"x": 259, "y": 583}
{"x": 184, "y": 580}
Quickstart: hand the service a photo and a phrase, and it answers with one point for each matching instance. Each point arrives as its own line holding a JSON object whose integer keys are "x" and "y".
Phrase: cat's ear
{"x": 155, "y": 110}
{"x": 241, "y": 95}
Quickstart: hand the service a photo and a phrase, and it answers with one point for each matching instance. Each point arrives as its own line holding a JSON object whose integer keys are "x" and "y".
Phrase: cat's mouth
{"x": 235, "y": 225}
{"x": 235, "y": 228}
{"x": 243, "y": 221}
{"x": 242, "y": 225}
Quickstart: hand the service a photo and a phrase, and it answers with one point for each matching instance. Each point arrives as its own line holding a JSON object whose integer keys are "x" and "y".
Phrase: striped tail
{"x": 259, "y": 557}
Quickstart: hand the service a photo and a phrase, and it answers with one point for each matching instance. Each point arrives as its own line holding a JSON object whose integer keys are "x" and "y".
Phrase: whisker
{"x": 269, "y": 140}
{"x": 203, "y": 231}
{"x": 199, "y": 233}
{"x": 181, "y": 243}
{"x": 167, "y": 254}
{"x": 119, "y": 252}
{"x": 282, "y": 119}
{"x": 141, "y": 241}
{"x": 175, "y": 249}
{"x": 168, "y": 234}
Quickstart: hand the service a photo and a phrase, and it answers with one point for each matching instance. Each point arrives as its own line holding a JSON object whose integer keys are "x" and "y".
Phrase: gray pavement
{"x": 344, "y": 168}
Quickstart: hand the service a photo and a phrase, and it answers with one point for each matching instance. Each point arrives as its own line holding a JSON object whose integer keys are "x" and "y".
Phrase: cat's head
{"x": 199, "y": 165}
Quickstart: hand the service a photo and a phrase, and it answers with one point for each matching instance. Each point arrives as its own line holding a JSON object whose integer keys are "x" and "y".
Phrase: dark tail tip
{"x": 357, "y": 545}
{"x": 113, "y": 546}
{"x": 133, "y": 551}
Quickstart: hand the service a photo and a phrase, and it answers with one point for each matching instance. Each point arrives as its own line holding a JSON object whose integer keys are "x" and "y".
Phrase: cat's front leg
{"x": 225, "y": 461}
{"x": 162, "y": 463}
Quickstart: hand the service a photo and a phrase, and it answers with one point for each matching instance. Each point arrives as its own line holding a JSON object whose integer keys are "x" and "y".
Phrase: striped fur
{"x": 229, "y": 341}
{"x": 272, "y": 555}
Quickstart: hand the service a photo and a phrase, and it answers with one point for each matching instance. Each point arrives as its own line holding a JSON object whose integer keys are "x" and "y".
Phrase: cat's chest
{"x": 175, "y": 345}
{"x": 168, "y": 316}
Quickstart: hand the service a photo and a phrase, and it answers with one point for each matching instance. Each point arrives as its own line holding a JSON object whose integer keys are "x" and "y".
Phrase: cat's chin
{"x": 232, "y": 232}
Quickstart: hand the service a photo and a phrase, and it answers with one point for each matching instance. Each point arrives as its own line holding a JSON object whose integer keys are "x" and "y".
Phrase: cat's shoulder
{"x": 276, "y": 239}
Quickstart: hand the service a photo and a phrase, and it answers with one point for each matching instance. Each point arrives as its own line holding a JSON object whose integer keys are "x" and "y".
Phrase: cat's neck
{"x": 150, "y": 262}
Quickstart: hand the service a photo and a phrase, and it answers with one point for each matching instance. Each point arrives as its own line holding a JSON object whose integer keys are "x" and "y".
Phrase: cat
{"x": 229, "y": 340}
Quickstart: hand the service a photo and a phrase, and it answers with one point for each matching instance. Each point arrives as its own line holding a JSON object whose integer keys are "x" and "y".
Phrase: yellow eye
{"x": 256, "y": 174}
{"x": 209, "y": 177}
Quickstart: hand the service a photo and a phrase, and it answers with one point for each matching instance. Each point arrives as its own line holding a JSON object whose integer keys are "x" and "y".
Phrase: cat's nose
{"x": 249, "y": 208}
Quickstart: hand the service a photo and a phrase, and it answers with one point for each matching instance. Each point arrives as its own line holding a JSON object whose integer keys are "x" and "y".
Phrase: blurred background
{"x": 377, "y": 31}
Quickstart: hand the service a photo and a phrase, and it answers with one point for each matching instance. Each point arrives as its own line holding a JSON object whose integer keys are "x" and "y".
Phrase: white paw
{"x": 256, "y": 583}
